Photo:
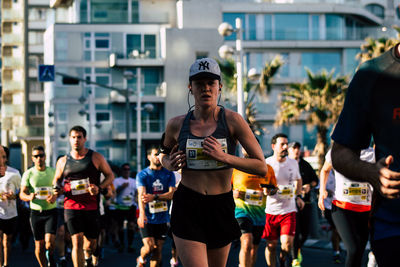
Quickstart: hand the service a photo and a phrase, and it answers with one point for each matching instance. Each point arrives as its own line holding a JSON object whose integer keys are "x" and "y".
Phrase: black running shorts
{"x": 43, "y": 222}
{"x": 246, "y": 226}
{"x": 8, "y": 226}
{"x": 83, "y": 221}
{"x": 209, "y": 219}
{"x": 157, "y": 231}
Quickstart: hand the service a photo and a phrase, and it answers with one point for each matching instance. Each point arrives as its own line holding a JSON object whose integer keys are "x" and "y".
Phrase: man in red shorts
{"x": 281, "y": 207}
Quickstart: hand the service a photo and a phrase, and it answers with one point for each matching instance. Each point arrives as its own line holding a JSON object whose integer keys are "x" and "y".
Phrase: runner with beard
{"x": 156, "y": 186}
{"x": 80, "y": 171}
{"x": 281, "y": 207}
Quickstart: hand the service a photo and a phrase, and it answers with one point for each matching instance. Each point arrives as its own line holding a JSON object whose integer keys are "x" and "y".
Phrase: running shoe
{"x": 88, "y": 262}
{"x": 173, "y": 263}
{"x": 140, "y": 264}
{"x": 336, "y": 259}
{"x": 296, "y": 263}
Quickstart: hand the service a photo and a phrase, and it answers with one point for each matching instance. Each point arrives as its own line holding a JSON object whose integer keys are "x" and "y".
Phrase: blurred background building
{"x": 149, "y": 45}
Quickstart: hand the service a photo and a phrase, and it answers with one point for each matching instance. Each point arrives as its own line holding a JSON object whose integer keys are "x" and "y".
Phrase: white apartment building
{"x": 151, "y": 45}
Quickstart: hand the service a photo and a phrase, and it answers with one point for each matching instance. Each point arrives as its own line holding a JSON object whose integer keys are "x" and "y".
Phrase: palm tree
{"x": 262, "y": 87}
{"x": 320, "y": 99}
{"x": 375, "y": 47}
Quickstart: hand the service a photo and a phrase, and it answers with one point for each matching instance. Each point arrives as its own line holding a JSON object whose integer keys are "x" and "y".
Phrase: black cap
{"x": 295, "y": 144}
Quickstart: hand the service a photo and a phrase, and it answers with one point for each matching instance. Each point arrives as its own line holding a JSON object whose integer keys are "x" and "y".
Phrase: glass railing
{"x": 331, "y": 34}
{"x": 352, "y": 2}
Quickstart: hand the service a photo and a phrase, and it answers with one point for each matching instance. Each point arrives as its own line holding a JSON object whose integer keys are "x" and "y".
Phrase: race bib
{"x": 196, "y": 159}
{"x": 253, "y": 197}
{"x": 158, "y": 206}
{"x": 127, "y": 200}
{"x": 43, "y": 192}
{"x": 286, "y": 191}
{"x": 355, "y": 192}
{"x": 79, "y": 187}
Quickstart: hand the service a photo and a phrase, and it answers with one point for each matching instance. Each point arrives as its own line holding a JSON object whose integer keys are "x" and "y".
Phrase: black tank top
{"x": 193, "y": 145}
{"x": 78, "y": 169}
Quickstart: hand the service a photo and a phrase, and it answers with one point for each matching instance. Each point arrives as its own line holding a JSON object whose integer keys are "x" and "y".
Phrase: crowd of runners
{"x": 218, "y": 197}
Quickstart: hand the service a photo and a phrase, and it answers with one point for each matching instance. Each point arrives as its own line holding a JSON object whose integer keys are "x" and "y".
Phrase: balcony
{"x": 14, "y": 14}
{"x": 151, "y": 129}
{"x": 12, "y": 62}
{"x": 120, "y": 61}
{"x": 14, "y": 39}
{"x": 352, "y": 2}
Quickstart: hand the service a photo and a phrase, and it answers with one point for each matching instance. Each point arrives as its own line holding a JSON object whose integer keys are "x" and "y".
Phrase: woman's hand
{"x": 213, "y": 149}
{"x": 175, "y": 160}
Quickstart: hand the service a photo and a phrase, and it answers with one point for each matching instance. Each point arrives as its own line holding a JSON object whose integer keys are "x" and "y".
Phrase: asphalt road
{"x": 316, "y": 253}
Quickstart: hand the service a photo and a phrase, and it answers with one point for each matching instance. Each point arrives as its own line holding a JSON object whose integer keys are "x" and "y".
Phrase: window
{"x": 251, "y": 31}
{"x": 103, "y": 116}
{"x": 141, "y": 45}
{"x": 102, "y": 41}
{"x": 376, "y": 9}
{"x": 200, "y": 55}
{"x": 150, "y": 80}
{"x": 318, "y": 61}
{"x": 334, "y": 27}
{"x": 36, "y": 109}
{"x": 268, "y": 27}
{"x": 351, "y": 61}
{"x": 100, "y": 91}
{"x": 291, "y": 26}
{"x": 231, "y": 19}
{"x": 115, "y": 11}
{"x": 315, "y": 27}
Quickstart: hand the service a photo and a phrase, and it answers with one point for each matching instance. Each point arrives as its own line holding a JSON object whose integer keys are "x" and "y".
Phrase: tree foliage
{"x": 375, "y": 47}
{"x": 318, "y": 100}
{"x": 261, "y": 87}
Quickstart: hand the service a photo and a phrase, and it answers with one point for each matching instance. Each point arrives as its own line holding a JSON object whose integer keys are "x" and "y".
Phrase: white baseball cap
{"x": 204, "y": 68}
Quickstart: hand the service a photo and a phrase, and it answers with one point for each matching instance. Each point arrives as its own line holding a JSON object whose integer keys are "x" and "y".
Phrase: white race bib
{"x": 158, "y": 206}
{"x": 127, "y": 200}
{"x": 79, "y": 187}
{"x": 286, "y": 191}
{"x": 43, "y": 192}
{"x": 355, "y": 192}
{"x": 196, "y": 159}
{"x": 253, "y": 197}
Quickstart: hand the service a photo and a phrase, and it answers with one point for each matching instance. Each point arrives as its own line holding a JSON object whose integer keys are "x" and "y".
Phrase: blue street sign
{"x": 46, "y": 73}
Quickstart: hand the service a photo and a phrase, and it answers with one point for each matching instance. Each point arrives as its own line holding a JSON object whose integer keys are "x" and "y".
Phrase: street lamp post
{"x": 139, "y": 120}
{"x": 225, "y": 29}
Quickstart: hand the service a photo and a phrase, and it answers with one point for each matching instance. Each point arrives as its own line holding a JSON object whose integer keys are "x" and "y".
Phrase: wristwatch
{"x": 156, "y": 197}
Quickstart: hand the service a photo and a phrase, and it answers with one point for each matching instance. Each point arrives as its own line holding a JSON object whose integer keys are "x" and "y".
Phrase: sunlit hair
{"x": 78, "y": 128}
{"x": 275, "y": 137}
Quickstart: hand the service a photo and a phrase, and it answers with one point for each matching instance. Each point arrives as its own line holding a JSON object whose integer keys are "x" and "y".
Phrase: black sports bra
{"x": 193, "y": 145}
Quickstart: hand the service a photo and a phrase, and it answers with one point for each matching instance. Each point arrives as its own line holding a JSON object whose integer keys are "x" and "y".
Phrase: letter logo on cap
{"x": 204, "y": 65}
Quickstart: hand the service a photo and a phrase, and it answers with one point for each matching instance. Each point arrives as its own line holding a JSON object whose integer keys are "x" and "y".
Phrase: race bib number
{"x": 286, "y": 191}
{"x": 79, "y": 187}
{"x": 158, "y": 206}
{"x": 127, "y": 200}
{"x": 196, "y": 159}
{"x": 355, "y": 192}
{"x": 253, "y": 197}
{"x": 43, "y": 192}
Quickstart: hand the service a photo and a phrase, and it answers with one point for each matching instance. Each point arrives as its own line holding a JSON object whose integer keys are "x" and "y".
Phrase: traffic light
{"x": 70, "y": 80}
